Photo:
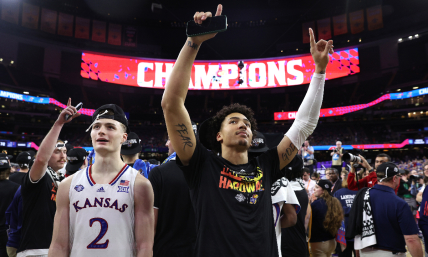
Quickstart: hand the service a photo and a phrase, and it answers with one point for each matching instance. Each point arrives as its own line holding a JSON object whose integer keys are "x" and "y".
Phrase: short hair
{"x": 306, "y": 170}
{"x": 384, "y": 155}
{"x": 406, "y": 172}
{"x": 333, "y": 169}
{"x": 292, "y": 175}
{"x": 382, "y": 179}
{"x": 338, "y": 142}
{"x": 215, "y": 124}
{"x": 4, "y": 174}
{"x": 315, "y": 174}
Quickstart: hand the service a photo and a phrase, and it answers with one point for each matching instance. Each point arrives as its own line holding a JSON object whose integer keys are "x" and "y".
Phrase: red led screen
{"x": 217, "y": 75}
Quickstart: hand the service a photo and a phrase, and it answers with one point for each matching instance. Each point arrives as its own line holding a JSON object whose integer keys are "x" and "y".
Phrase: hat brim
{"x": 131, "y": 151}
{"x": 203, "y": 131}
{"x": 73, "y": 167}
{"x": 260, "y": 150}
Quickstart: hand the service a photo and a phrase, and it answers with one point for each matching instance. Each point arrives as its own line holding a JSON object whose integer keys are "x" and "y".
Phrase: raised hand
{"x": 199, "y": 17}
{"x": 70, "y": 110}
{"x": 320, "y": 51}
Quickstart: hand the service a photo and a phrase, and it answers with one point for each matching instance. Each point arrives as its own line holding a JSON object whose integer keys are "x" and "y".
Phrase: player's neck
{"x": 107, "y": 164}
{"x": 234, "y": 156}
{"x": 128, "y": 159}
{"x": 23, "y": 170}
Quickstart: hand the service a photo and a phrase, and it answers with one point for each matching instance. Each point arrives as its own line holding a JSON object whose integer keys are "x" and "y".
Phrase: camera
{"x": 352, "y": 158}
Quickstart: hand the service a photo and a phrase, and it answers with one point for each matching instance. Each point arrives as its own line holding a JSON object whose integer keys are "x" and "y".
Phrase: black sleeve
{"x": 28, "y": 186}
{"x": 270, "y": 161}
{"x": 155, "y": 178}
{"x": 193, "y": 171}
{"x": 401, "y": 189}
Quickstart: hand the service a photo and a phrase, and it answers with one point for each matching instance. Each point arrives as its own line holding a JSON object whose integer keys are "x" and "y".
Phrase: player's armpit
{"x": 60, "y": 238}
{"x": 286, "y": 152}
{"x": 144, "y": 216}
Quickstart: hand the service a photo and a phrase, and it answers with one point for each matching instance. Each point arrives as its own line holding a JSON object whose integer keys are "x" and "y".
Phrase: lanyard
{"x": 307, "y": 187}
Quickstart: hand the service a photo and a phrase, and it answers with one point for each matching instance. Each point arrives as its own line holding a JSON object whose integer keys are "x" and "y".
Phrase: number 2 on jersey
{"x": 104, "y": 227}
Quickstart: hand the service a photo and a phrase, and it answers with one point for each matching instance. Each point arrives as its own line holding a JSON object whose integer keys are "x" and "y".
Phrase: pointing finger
{"x": 69, "y": 102}
{"x": 311, "y": 38}
{"x": 219, "y": 10}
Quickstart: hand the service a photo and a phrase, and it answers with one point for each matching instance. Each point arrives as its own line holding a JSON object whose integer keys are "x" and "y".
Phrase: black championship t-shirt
{"x": 39, "y": 206}
{"x": 18, "y": 177}
{"x": 175, "y": 229}
{"x": 232, "y": 203}
{"x": 7, "y": 192}
{"x": 293, "y": 242}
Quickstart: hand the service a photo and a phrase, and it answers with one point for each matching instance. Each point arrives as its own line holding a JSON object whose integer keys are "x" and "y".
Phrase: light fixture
{"x": 348, "y": 40}
{"x": 410, "y": 37}
{"x": 400, "y": 40}
{"x": 11, "y": 62}
{"x": 359, "y": 40}
{"x": 26, "y": 92}
{"x": 415, "y": 87}
{"x": 414, "y": 113}
{"x": 282, "y": 51}
{"x": 417, "y": 36}
{"x": 422, "y": 112}
{"x": 1, "y": 59}
{"x": 297, "y": 49}
{"x": 398, "y": 90}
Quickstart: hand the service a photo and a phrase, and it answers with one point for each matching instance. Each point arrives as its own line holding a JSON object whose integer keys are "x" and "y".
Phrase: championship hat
{"x": 75, "y": 159}
{"x": 131, "y": 145}
{"x": 4, "y": 161}
{"x": 387, "y": 170}
{"x": 259, "y": 144}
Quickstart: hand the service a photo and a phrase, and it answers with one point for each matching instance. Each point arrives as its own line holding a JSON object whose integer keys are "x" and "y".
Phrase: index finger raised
{"x": 311, "y": 38}
{"x": 69, "y": 102}
{"x": 219, "y": 10}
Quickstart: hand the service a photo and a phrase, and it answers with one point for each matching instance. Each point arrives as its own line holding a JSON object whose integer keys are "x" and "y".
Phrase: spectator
{"x": 337, "y": 155}
{"x": 293, "y": 239}
{"x": 7, "y": 191}
{"x": 130, "y": 152}
{"x": 371, "y": 179}
{"x": 385, "y": 218}
{"x": 404, "y": 192}
{"x": 327, "y": 216}
{"x": 346, "y": 198}
{"x": 308, "y": 183}
{"x": 315, "y": 176}
{"x": 421, "y": 190}
{"x": 307, "y": 152}
{"x": 333, "y": 176}
{"x": 344, "y": 176}
{"x": 23, "y": 159}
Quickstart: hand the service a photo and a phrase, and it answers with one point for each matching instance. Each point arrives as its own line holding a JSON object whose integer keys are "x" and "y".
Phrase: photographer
{"x": 307, "y": 153}
{"x": 337, "y": 155}
{"x": 404, "y": 192}
{"x": 371, "y": 179}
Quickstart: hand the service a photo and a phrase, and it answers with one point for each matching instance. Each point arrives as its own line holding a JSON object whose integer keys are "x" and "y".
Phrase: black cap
{"x": 204, "y": 133}
{"x": 387, "y": 170}
{"x": 325, "y": 184}
{"x": 75, "y": 159}
{"x": 296, "y": 165}
{"x": 4, "y": 161}
{"x": 24, "y": 158}
{"x": 259, "y": 144}
{"x": 131, "y": 145}
{"x": 115, "y": 113}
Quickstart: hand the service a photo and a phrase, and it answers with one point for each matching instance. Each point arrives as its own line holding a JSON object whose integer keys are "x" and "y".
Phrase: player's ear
{"x": 124, "y": 137}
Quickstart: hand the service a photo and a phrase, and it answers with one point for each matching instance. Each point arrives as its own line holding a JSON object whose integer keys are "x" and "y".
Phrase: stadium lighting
{"x": 414, "y": 113}
{"x": 415, "y": 87}
{"x": 422, "y": 112}
{"x": 410, "y": 37}
{"x": 400, "y": 40}
{"x": 11, "y": 62}
{"x": 26, "y": 92}
{"x": 348, "y": 40}
{"x": 282, "y": 51}
{"x": 297, "y": 49}
{"x": 1, "y": 59}
{"x": 398, "y": 90}
{"x": 417, "y": 36}
{"x": 359, "y": 40}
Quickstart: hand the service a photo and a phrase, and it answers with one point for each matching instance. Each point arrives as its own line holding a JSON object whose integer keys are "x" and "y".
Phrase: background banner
{"x": 217, "y": 75}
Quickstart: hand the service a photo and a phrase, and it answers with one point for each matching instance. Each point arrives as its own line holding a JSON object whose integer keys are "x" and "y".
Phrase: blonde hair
{"x": 334, "y": 215}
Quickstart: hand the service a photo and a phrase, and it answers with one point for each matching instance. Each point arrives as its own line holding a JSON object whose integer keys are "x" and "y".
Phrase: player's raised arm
{"x": 48, "y": 144}
{"x": 177, "y": 118}
{"x": 309, "y": 111}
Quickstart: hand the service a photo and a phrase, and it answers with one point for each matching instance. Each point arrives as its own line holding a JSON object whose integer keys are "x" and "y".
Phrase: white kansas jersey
{"x": 102, "y": 215}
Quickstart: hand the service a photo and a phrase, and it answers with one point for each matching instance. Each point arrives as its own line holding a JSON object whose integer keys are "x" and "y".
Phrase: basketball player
{"x": 229, "y": 191}
{"x": 106, "y": 209}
